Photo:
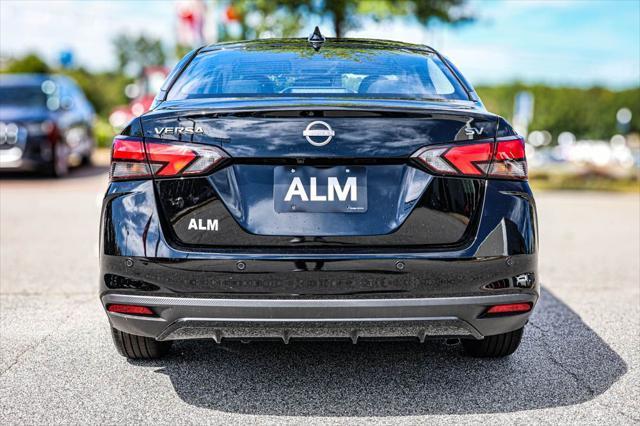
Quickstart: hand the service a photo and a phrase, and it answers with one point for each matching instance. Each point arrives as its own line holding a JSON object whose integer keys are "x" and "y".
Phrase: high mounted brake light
{"x": 131, "y": 158}
{"x": 480, "y": 159}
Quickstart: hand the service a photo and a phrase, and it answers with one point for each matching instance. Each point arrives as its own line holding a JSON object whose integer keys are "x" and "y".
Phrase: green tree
{"x": 587, "y": 113}
{"x": 284, "y": 18}
{"x": 136, "y": 53}
{"x": 31, "y": 63}
{"x": 104, "y": 90}
{"x": 346, "y": 14}
{"x": 278, "y": 18}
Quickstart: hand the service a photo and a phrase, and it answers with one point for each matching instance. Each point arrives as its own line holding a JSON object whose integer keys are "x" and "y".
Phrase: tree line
{"x": 586, "y": 112}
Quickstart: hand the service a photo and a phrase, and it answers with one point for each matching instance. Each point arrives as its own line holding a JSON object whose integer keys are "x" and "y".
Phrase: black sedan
{"x": 46, "y": 124}
{"x": 329, "y": 189}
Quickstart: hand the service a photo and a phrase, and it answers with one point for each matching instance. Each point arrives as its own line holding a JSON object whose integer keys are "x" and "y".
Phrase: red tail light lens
{"x": 128, "y": 160}
{"x": 469, "y": 160}
{"x": 130, "y": 309}
{"x": 511, "y": 308}
{"x": 509, "y": 160}
{"x": 52, "y": 130}
{"x": 135, "y": 159}
{"x": 481, "y": 159}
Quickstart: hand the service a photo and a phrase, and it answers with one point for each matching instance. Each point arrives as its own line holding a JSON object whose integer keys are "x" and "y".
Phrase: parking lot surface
{"x": 579, "y": 361}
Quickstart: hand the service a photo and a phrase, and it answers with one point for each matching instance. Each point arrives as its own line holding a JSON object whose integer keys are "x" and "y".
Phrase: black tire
{"x": 86, "y": 160}
{"x": 59, "y": 164}
{"x": 497, "y": 346}
{"x": 87, "y": 157}
{"x": 138, "y": 347}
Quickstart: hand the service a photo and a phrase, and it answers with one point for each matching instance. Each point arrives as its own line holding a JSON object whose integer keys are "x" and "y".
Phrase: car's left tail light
{"x": 133, "y": 158}
{"x": 504, "y": 159}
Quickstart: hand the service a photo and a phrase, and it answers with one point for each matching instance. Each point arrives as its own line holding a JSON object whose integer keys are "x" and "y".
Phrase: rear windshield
{"x": 22, "y": 96}
{"x": 332, "y": 72}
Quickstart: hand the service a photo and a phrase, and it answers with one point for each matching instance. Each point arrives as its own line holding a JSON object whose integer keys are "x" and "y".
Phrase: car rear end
{"x": 28, "y": 132}
{"x": 356, "y": 192}
{"x": 45, "y": 124}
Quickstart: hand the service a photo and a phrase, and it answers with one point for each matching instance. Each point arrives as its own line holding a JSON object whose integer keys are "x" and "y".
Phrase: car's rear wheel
{"x": 496, "y": 346}
{"x": 85, "y": 161}
{"x": 139, "y": 347}
{"x": 59, "y": 164}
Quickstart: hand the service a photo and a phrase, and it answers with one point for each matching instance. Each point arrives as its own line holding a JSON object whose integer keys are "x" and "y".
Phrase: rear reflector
{"x": 481, "y": 159}
{"x": 511, "y": 308}
{"x": 134, "y": 159}
{"x": 130, "y": 309}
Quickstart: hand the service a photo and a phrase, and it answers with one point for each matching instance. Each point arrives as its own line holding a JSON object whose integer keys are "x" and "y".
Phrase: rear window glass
{"x": 22, "y": 96}
{"x": 331, "y": 72}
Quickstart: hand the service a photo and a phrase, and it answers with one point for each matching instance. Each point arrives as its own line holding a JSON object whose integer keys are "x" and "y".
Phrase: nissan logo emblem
{"x": 319, "y": 130}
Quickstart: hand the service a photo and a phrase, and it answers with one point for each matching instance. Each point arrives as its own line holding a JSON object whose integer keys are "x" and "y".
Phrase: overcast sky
{"x": 561, "y": 42}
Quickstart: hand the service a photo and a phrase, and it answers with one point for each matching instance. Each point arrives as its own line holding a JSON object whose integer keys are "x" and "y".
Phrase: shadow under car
{"x": 561, "y": 362}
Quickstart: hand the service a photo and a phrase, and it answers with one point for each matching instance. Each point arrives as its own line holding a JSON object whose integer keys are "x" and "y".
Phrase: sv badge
{"x": 471, "y": 131}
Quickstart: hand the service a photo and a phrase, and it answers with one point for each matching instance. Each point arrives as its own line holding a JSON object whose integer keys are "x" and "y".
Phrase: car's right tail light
{"x": 504, "y": 158}
{"x": 131, "y": 158}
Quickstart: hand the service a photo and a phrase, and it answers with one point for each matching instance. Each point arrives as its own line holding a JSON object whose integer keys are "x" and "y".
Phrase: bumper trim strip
{"x": 185, "y": 318}
{"x": 309, "y": 303}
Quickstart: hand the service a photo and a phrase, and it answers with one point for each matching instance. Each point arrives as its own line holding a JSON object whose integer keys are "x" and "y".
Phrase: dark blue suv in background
{"x": 46, "y": 124}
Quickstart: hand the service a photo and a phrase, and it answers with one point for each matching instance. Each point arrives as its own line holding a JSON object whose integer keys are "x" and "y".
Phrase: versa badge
{"x": 178, "y": 130}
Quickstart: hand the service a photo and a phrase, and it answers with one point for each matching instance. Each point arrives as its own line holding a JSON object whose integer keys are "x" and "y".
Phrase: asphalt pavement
{"x": 578, "y": 364}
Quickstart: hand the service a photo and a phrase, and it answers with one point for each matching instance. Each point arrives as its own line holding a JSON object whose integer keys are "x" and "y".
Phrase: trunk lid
{"x": 244, "y": 204}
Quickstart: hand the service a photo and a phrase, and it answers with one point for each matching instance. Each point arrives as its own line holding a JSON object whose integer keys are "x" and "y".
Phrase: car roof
{"x": 30, "y": 79}
{"x": 298, "y": 43}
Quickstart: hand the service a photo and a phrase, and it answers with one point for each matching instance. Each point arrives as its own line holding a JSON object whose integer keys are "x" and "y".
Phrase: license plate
{"x": 340, "y": 189}
{"x": 10, "y": 155}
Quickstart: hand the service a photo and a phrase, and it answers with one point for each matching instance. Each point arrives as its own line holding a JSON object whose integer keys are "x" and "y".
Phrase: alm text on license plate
{"x": 338, "y": 189}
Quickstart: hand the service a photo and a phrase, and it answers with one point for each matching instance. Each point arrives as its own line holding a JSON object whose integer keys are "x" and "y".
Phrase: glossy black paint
{"x": 382, "y": 136}
{"x": 442, "y": 212}
{"x": 422, "y": 236}
{"x": 357, "y": 277}
{"x": 375, "y": 129}
{"x": 132, "y": 228}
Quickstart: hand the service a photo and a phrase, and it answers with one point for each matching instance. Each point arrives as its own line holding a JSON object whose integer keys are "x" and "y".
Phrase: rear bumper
{"x": 284, "y": 292}
{"x": 189, "y": 318}
{"x": 30, "y": 155}
{"x": 22, "y": 164}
